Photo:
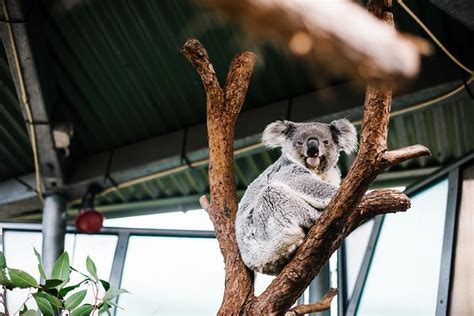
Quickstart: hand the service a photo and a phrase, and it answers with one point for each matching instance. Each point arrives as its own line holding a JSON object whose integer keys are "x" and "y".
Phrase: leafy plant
{"x": 55, "y": 296}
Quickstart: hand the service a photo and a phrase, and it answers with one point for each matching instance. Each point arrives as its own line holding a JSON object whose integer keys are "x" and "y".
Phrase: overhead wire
{"x": 433, "y": 37}
{"x": 25, "y": 101}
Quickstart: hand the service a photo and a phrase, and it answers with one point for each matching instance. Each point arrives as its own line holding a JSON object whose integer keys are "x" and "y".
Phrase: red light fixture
{"x": 89, "y": 220}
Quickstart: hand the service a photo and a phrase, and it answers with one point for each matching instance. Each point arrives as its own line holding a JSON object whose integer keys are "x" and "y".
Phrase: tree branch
{"x": 399, "y": 155}
{"x": 197, "y": 55}
{"x": 383, "y": 201}
{"x": 338, "y": 220}
{"x": 223, "y": 107}
{"x": 322, "y": 305}
{"x": 348, "y": 208}
{"x": 204, "y": 202}
{"x": 237, "y": 82}
{"x": 322, "y": 32}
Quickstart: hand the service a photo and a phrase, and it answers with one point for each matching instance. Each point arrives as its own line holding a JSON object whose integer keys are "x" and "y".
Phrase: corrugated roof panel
{"x": 15, "y": 148}
{"x": 123, "y": 79}
{"x": 421, "y": 127}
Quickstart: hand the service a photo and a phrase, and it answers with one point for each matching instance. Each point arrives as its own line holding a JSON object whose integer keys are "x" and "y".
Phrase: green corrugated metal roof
{"x": 15, "y": 148}
{"x": 446, "y": 130}
{"x": 121, "y": 79}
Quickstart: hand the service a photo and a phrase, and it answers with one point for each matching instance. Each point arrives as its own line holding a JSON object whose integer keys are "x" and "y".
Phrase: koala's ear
{"x": 344, "y": 135}
{"x": 275, "y": 133}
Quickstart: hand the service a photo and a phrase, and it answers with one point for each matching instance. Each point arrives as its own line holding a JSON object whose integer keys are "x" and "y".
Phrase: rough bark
{"x": 321, "y": 31}
{"x": 223, "y": 107}
{"x": 349, "y": 208}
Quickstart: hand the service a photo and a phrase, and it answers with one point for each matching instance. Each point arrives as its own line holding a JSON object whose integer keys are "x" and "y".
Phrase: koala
{"x": 286, "y": 200}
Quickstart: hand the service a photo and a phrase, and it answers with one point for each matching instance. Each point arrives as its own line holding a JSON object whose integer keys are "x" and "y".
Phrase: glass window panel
{"x": 100, "y": 248}
{"x": 18, "y": 249}
{"x": 172, "y": 276}
{"x": 403, "y": 278}
{"x": 262, "y": 281}
{"x": 356, "y": 244}
{"x": 192, "y": 220}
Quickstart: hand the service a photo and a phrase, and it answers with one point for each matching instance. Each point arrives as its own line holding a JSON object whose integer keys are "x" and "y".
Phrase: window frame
{"x": 349, "y": 306}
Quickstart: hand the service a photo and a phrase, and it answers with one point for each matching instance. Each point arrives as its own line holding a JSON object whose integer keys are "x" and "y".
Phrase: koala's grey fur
{"x": 282, "y": 204}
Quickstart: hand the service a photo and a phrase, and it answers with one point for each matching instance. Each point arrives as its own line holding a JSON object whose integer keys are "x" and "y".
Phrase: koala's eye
{"x": 299, "y": 143}
{"x": 325, "y": 142}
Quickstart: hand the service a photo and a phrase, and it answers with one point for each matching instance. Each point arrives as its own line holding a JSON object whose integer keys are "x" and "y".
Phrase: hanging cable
{"x": 433, "y": 37}
{"x": 24, "y": 100}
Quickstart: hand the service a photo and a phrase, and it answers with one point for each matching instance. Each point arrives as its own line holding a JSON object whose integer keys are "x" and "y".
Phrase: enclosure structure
{"x": 137, "y": 110}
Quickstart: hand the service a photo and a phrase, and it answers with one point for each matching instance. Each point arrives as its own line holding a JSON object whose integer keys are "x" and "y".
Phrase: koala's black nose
{"x": 313, "y": 149}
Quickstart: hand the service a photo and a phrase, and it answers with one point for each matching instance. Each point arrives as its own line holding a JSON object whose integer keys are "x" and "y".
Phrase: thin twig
{"x": 322, "y": 305}
{"x": 28, "y": 296}
{"x": 3, "y": 295}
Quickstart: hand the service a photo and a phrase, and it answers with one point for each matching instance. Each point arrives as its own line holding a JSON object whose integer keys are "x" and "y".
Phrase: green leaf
{"x": 51, "y": 283}
{"x": 44, "y": 305}
{"x": 5, "y": 281}
{"x": 52, "y": 291}
{"x": 104, "y": 309}
{"x": 84, "y": 310}
{"x": 40, "y": 264}
{"x": 63, "y": 292}
{"x": 112, "y": 293}
{"x": 75, "y": 299}
{"x": 61, "y": 269}
{"x": 54, "y": 301}
{"x": 24, "y": 309}
{"x": 91, "y": 268}
{"x": 105, "y": 284}
{"x": 30, "y": 312}
{"x": 3, "y": 262}
{"x": 21, "y": 279}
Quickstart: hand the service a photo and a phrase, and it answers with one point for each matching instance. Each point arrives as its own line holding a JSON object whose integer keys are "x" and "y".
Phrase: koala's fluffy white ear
{"x": 344, "y": 135}
{"x": 275, "y": 133}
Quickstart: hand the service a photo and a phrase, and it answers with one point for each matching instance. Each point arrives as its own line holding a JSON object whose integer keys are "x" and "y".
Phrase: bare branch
{"x": 204, "y": 202}
{"x": 223, "y": 107}
{"x": 322, "y": 305}
{"x": 321, "y": 32}
{"x": 402, "y": 154}
{"x": 237, "y": 82}
{"x": 197, "y": 55}
{"x": 381, "y": 202}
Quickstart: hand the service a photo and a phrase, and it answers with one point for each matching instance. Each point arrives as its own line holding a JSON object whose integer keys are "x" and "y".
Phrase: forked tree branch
{"x": 223, "y": 107}
{"x": 349, "y": 208}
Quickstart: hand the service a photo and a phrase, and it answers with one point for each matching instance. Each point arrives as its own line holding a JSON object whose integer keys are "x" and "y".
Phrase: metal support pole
{"x": 54, "y": 230}
{"x": 445, "y": 275}
{"x": 342, "y": 280}
{"x": 319, "y": 287}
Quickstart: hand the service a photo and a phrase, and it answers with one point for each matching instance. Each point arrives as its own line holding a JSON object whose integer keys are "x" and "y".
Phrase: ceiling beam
{"x": 164, "y": 152}
{"x": 190, "y": 202}
{"x": 25, "y": 48}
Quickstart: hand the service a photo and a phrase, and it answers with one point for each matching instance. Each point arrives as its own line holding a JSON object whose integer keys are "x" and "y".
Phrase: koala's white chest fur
{"x": 332, "y": 176}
